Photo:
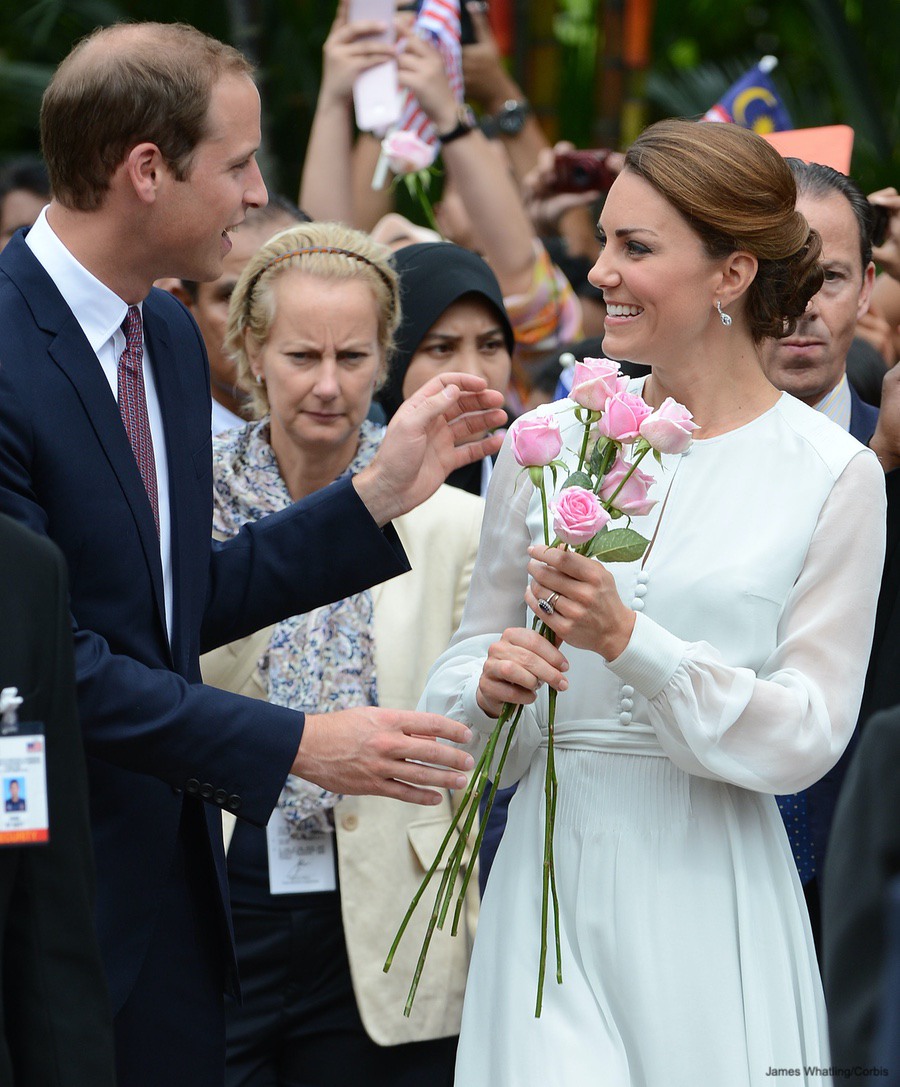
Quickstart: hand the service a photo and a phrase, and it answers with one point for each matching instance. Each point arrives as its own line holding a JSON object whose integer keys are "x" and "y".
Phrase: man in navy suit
{"x": 149, "y": 133}
{"x": 811, "y": 364}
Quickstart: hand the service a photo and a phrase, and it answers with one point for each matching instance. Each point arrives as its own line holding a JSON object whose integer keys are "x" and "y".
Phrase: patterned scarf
{"x": 323, "y": 660}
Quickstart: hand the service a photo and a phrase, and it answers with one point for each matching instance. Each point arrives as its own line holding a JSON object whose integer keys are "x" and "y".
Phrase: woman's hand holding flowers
{"x": 588, "y": 613}
{"x": 516, "y": 667}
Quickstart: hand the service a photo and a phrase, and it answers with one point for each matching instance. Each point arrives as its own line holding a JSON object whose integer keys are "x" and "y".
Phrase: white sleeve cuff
{"x": 650, "y": 659}
{"x": 475, "y": 716}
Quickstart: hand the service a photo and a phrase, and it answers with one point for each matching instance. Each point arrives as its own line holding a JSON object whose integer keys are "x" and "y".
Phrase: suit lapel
{"x": 68, "y": 347}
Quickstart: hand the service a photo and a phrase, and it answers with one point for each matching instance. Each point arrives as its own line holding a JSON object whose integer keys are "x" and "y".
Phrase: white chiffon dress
{"x": 687, "y": 955}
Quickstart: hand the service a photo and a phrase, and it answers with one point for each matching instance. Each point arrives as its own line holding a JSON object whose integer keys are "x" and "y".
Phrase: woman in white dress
{"x": 724, "y": 667}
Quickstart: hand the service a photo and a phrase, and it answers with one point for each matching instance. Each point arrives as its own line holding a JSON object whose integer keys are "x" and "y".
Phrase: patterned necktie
{"x": 133, "y": 405}
{"x": 796, "y": 822}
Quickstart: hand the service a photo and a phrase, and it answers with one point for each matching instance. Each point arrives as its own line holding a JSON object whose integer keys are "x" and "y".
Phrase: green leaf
{"x": 579, "y": 479}
{"x": 618, "y": 545}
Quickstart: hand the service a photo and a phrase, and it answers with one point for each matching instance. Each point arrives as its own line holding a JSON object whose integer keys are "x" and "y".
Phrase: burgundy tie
{"x": 133, "y": 405}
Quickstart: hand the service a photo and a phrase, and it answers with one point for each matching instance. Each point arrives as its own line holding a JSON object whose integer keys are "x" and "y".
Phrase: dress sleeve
{"x": 780, "y": 729}
{"x": 495, "y": 602}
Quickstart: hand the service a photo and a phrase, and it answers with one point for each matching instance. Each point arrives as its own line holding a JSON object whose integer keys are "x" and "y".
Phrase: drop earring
{"x": 259, "y": 376}
{"x": 723, "y": 316}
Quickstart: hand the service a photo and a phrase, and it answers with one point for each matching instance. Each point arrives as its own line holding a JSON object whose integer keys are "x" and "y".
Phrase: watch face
{"x": 511, "y": 121}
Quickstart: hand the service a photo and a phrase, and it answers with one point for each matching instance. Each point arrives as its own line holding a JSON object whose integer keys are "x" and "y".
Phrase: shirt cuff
{"x": 650, "y": 659}
{"x": 476, "y": 718}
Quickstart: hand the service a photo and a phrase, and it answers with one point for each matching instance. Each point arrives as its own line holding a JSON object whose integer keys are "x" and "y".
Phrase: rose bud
{"x": 536, "y": 439}
{"x": 406, "y": 153}
{"x": 594, "y": 382}
{"x": 623, "y": 417}
{"x": 669, "y": 428}
{"x": 577, "y": 515}
{"x": 632, "y": 499}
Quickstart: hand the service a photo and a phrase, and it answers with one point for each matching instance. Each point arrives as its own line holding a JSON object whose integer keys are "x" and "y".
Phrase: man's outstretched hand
{"x": 443, "y": 426}
{"x": 380, "y": 752}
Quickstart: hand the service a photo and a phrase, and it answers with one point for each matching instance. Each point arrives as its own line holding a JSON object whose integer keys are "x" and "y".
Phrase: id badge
{"x": 299, "y": 865}
{"x": 23, "y": 785}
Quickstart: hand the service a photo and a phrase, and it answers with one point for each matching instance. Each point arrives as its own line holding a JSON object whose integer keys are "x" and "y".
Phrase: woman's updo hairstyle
{"x": 737, "y": 192}
{"x": 328, "y": 251}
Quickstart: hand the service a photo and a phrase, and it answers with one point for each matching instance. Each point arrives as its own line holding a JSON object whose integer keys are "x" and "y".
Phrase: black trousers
{"x": 299, "y": 1025}
{"x": 158, "y": 1042}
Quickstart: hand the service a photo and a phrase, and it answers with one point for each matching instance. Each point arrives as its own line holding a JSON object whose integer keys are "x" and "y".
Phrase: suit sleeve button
{"x": 192, "y": 786}
{"x": 220, "y": 796}
{"x": 350, "y": 822}
{"x": 233, "y": 803}
{"x": 206, "y": 791}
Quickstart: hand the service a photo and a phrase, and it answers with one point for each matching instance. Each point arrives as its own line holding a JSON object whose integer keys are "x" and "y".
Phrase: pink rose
{"x": 632, "y": 499}
{"x": 406, "y": 153}
{"x": 577, "y": 515}
{"x": 623, "y": 417}
{"x": 668, "y": 429}
{"x": 594, "y": 382}
{"x": 536, "y": 439}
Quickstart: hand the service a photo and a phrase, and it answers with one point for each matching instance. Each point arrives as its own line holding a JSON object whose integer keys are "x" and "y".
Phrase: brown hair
{"x": 125, "y": 85}
{"x": 737, "y": 192}
{"x": 329, "y": 251}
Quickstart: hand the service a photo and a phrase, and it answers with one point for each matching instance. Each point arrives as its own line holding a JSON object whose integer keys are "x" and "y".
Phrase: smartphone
{"x": 583, "y": 171}
{"x": 376, "y": 93}
{"x": 880, "y": 219}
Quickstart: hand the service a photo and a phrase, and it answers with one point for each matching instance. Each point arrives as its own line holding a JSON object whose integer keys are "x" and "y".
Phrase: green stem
{"x": 637, "y": 460}
{"x": 454, "y": 824}
{"x": 548, "y": 868}
{"x": 584, "y": 444}
{"x": 495, "y": 781}
{"x": 609, "y": 455}
{"x": 543, "y": 491}
{"x": 425, "y": 202}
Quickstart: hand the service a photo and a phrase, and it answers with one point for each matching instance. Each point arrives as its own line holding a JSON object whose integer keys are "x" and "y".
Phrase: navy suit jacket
{"x": 821, "y": 797}
{"x": 156, "y": 739}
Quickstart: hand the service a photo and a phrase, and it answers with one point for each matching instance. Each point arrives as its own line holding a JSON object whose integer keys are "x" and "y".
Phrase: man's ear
{"x": 865, "y": 294}
{"x": 145, "y": 170}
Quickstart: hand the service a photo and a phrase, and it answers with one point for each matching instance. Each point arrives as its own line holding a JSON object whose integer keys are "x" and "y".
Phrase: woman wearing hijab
{"x": 452, "y": 318}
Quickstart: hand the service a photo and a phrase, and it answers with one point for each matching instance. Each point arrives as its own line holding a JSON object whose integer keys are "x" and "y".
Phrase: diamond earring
{"x": 723, "y": 316}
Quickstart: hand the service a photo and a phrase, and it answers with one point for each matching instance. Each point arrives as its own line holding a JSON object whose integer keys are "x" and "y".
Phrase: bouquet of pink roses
{"x": 605, "y": 487}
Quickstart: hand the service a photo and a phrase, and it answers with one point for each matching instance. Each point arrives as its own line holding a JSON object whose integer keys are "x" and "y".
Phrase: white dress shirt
{"x": 100, "y": 313}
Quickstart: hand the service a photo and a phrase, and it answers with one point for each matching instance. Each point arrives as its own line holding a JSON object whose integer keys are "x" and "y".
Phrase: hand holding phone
{"x": 583, "y": 171}
{"x": 376, "y": 92}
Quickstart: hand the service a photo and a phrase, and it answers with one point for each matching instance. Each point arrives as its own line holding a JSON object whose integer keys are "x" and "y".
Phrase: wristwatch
{"x": 466, "y": 122}
{"x": 509, "y": 120}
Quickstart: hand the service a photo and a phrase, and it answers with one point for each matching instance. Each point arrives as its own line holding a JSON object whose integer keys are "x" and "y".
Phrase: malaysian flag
{"x": 753, "y": 102}
{"x": 438, "y": 23}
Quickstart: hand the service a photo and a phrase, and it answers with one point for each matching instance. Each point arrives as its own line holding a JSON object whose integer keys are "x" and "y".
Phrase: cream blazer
{"x": 384, "y": 846}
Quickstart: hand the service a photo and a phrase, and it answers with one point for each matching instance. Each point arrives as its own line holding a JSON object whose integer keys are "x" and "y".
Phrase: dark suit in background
{"x": 54, "y": 1010}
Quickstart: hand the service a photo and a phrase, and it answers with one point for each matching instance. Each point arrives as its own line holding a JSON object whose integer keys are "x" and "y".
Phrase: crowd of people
{"x": 271, "y": 572}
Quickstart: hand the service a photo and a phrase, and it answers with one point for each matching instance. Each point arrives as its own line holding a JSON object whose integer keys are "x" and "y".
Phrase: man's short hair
{"x": 124, "y": 85}
{"x": 818, "y": 181}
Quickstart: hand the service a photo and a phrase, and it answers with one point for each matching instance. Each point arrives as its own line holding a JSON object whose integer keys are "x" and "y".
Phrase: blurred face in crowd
{"x": 466, "y": 338}
{"x": 210, "y": 308}
{"x": 811, "y": 362}
{"x": 320, "y": 365}
{"x": 17, "y": 209}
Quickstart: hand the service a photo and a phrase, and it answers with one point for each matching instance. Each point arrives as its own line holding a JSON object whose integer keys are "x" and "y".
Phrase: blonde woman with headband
{"x": 311, "y": 325}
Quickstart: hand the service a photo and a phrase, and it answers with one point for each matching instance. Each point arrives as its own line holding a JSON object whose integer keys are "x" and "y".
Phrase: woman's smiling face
{"x": 657, "y": 279}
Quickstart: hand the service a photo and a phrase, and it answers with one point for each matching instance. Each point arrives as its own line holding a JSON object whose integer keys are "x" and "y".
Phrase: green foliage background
{"x": 837, "y": 63}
